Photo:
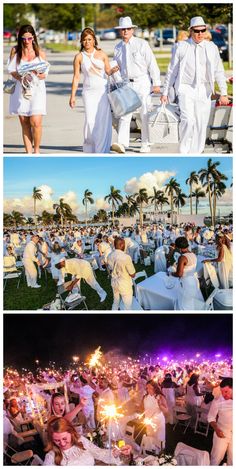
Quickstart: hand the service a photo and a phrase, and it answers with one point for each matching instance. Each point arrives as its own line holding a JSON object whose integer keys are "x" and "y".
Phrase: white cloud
{"x": 148, "y": 181}
{"x": 101, "y": 204}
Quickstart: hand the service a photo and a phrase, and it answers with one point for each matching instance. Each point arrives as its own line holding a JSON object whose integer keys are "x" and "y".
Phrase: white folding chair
{"x": 129, "y": 430}
{"x": 138, "y": 275}
{"x": 202, "y": 425}
{"x": 11, "y": 276}
{"x": 160, "y": 260}
{"x": 148, "y": 446}
{"x": 189, "y": 456}
{"x": 181, "y": 417}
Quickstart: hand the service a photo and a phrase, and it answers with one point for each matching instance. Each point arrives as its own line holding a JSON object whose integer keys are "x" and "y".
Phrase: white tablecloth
{"x": 153, "y": 294}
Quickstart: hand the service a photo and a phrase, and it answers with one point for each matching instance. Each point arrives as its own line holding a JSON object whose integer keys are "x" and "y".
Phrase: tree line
{"x": 207, "y": 182}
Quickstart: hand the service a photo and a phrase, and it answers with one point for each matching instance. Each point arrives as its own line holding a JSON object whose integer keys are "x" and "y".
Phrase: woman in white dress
{"x": 30, "y": 111}
{"x": 193, "y": 398}
{"x": 189, "y": 293}
{"x": 67, "y": 448}
{"x": 224, "y": 261}
{"x": 155, "y": 407}
{"x": 94, "y": 64}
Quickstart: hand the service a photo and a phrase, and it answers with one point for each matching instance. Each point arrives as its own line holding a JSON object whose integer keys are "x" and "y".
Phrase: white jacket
{"x": 177, "y": 65}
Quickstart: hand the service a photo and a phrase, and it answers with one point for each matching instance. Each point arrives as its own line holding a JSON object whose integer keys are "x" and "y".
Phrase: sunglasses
{"x": 27, "y": 38}
{"x": 198, "y": 31}
{"x": 126, "y": 29}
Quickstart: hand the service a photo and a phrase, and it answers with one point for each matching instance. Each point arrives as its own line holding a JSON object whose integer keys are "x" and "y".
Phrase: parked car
{"x": 167, "y": 34}
{"x": 108, "y": 34}
{"x": 219, "y": 41}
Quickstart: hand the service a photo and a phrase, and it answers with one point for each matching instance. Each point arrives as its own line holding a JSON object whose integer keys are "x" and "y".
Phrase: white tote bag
{"x": 123, "y": 99}
{"x": 163, "y": 124}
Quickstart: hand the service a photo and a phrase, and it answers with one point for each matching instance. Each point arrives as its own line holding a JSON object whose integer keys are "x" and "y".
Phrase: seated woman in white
{"x": 224, "y": 261}
{"x": 67, "y": 448}
{"x": 186, "y": 271}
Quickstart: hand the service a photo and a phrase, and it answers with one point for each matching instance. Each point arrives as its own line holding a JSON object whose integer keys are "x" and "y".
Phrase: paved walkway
{"x": 63, "y": 127}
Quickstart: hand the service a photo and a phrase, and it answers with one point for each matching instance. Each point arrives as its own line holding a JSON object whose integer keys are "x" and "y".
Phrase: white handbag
{"x": 163, "y": 124}
{"x": 123, "y": 99}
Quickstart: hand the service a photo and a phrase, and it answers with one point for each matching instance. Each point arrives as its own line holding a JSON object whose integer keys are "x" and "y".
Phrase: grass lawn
{"x": 25, "y": 298}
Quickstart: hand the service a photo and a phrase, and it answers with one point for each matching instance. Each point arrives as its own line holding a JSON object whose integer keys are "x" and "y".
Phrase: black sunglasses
{"x": 198, "y": 31}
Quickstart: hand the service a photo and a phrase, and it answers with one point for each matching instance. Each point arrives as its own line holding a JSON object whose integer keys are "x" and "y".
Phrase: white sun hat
{"x": 197, "y": 21}
{"x": 125, "y": 22}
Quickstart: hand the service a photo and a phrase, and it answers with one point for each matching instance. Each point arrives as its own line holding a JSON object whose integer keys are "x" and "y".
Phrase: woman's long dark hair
{"x": 157, "y": 389}
{"x": 88, "y": 32}
{"x": 27, "y": 28}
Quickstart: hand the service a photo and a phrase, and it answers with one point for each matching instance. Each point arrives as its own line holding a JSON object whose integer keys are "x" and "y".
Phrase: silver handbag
{"x": 123, "y": 99}
{"x": 163, "y": 124}
{"x": 9, "y": 86}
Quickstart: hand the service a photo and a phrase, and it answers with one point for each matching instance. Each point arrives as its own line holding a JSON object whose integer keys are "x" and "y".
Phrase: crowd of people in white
{"x": 185, "y": 252}
{"x": 147, "y": 397}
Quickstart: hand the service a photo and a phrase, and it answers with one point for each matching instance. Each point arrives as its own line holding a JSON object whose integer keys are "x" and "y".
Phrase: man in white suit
{"x": 194, "y": 68}
{"x": 138, "y": 66}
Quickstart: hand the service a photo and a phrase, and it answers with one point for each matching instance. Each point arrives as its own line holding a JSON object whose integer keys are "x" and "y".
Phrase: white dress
{"x": 27, "y": 107}
{"x": 189, "y": 293}
{"x": 152, "y": 411}
{"x": 76, "y": 456}
{"x": 225, "y": 268}
{"x": 98, "y": 121}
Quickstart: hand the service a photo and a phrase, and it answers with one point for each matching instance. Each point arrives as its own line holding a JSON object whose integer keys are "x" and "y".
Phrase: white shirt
{"x": 30, "y": 252}
{"x": 191, "y": 71}
{"x": 140, "y": 60}
{"x": 87, "y": 392}
{"x": 78, "y": 268}
{"x": 223, "y": 409}
{"x": 122, "y": 267}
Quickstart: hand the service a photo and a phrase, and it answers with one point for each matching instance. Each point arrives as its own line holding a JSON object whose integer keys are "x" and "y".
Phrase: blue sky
{"x": 97, "y": 174}
{"x": 69, "y": 177}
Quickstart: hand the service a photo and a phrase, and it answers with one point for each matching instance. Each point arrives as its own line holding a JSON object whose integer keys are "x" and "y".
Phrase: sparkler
{"x": 110, "y": 413}
{"x": 95, "y": 359}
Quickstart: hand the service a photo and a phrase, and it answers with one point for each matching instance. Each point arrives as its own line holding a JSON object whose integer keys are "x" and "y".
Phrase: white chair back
{"x": 189, "y": 456}
{"x": 137, "y": 276}
{"x": 209, "y": 271}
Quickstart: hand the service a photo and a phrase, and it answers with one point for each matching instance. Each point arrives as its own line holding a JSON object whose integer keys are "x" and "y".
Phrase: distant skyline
{"x": 69, "y": 177}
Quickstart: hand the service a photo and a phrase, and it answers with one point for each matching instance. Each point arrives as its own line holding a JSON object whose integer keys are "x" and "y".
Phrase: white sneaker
{"x": 36, "y": 286}
{"x": 102, "y": 270}
{"x": 103, "y": 297}
{"x": 145, "y": 148}
{"x": 118, "y": 148}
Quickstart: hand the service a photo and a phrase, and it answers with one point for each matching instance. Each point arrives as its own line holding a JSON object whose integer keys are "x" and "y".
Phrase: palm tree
{"x": 179, "y": 200}
{"x": 155, "y": 198}
{"x": 206, "y": 176}
{"x": 141, "y": 197}
{"x": 218, "y": 188}
{"x": 172, "y": 188}
{"x": 114, "y": 198}
{"x": 47, "y": 218}
{"x": 87, "y": 199}
{"x": 130, "y": 201}
{"x": 7, "y": 220}
{"x": 163, "y": 200}
{"x": 37, "y": 195}
{"x": 198, "y": 193}
{"x": 63, "y": 210}
{"x": 192, "y": 179}
{"x": 17, "y": 218}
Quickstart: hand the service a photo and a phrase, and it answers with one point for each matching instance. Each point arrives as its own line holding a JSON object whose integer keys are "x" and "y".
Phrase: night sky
{"x": 57, "y": 337}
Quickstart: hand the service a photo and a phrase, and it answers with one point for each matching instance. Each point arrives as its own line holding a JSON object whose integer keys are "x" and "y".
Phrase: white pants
{"x": 30, "y": 272}
{"x": 92, "y": 282}
{"x": 134, "y": 253}
{"x": 219, "y": 448}
{"x": 125, "y": 296}
{"x": 142, "y": 86}
{"x": 195, "y": 108}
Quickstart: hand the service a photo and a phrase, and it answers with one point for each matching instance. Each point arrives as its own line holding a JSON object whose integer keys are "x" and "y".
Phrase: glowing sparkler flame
{"x": 95, "y": 358}
{"x": 111, "y": 412}
{"x": 147, "y": 421}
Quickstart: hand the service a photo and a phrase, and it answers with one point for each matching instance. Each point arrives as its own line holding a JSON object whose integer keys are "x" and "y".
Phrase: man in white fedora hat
{"x": 193, "y": 70}
{"x": 138, "y": 66}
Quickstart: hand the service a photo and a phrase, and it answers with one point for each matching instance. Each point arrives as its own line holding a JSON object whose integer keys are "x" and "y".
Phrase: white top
{"x": 93, "y": 71}
{"x": 78, "y": 268}
{"x": 30, "y": 252}
{"x": 190, "y": 268}
{"x": 122, "y": 267}
{"x": 87, "y": 392}
{"x": 223, "y": 410}
{"x": 76, "y": 456}
{"x": 195, "y": 70}
{"x": 141, "y": 60}
{"x": 27, "y": 107}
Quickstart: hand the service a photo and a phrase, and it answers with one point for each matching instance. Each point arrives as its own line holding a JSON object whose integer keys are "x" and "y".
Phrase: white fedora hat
{"x": 125, "y": 22}
{"x": 197, "y": 21}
